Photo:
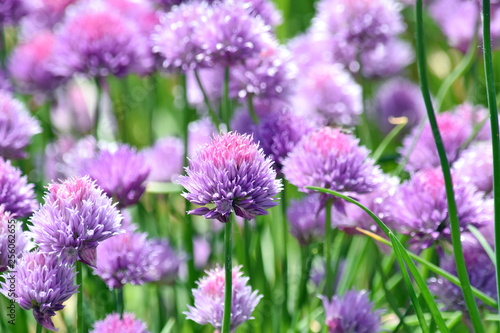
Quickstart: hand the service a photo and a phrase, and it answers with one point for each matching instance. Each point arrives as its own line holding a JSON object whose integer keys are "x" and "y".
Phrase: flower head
{"x": 42, "y": 283}
{"x": 121, "y": 173}
{"x": 165, "y": 159}
{"x": 352, "y": 312}
{"x": 307, "y": 219}
{"x": 387, "y": 59}
{"x": 419, "y": 207}
{"x": 16, "y": 127}
{"x": 16, "y": 195}
{"x": 11, "y": 234}
{"x": 209, "y": 299}
{"x": 476, "y": 166}
{"x": 232, "y": 173}
{"x": 113, "y": 324}
{"x": 331, "y": 159}
{"x": 165, "y": 262}
{"x": 74, "y": 219}
{"x": 11, "y": 11}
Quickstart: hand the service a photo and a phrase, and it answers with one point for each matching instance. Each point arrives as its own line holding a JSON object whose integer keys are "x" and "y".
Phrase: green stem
{"x": 226, "y": 107}
{"x": 151, "y": 109}
{"x": 97, "y": 114}
{"x": 387, "y": 140}
{"x": 79, "y": 301}
{"x": 228, "y": 290}
{"x": 39, "y": 328}
{"x": 492, "y": 105}
{"x": 306, "y": 262}
{"x": 3, "y": 49}
{"x": 120, "y": 304}
{"x": 327, "y": 249}
{"x": 251, "y": 109}
{"x": 452, "y": 207}
{"x": 411, "y": 148}
{"x": 284, "y": 265}
{"x": 206, "y": 100}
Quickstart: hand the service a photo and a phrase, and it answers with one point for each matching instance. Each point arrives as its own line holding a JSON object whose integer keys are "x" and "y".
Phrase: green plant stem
{"x": 151, "y": 108}
{"x": 284, "y": 262}
{"x": 120, "y": 304}
{"x": 251, "y": 109}
{"x": 492, "y": 105}
{"x": 411, "y": 148}
{"x": 387, "y": 140}
{"x": 39, "y": 328}
{"x": 452, "y": 207}
{"x": 484, "y": 243}
{"x": 228, "y": 266}
{"x": 206, "y": 100}
{"x": 3, "y": 49}
{"x": 226, "y": 103}
{"x": 79, "y": 300}
{"x": 305, "y": 270}
{"x": 327, "y": 251}
{"x": 97, "y": 115}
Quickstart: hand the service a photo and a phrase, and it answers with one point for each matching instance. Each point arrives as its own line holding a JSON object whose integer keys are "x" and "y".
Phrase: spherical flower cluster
{"x": 16, "y": 127}
{"x": 419, "y": 207}
{"x": 331, "y": 159}
{"x": 476, "y": 166}
{"x": 165, "y": 159}
{"x": 42, "y": 283}
{"x": 30, "y": 64}
{"x": 455, "y": 130}
{"x": 265, "y": 9}
{"x": 115, "y": 323}
{"x": 13, "y": 241}
{"x": 362, "y": 24}
{"x": 387, "y": 59}
{"x": 233, "y": 174}
{"x": 5, "y": 84}
{"x": 398, "y": 98}
{"x": 44, "y": 14}
{"x": 121, "y": 173}
{"x": 98, "y": 41}
{"x": 209, "y": 299}
{"x": 481, "y": 273}
{"x": 307, "y": 219}
{"x": 327, "y": 92}
{"x": 11, "y": 11}
{"x": 16, "y": 195}
{"x": 165, "y": 262}
{"x": 352, "y": 312}
{"x": 75, "y": 218}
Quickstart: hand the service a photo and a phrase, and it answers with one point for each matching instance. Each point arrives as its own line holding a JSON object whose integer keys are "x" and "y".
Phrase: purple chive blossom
{"x": 121, "y": 173}
{"x": 475, "y": 115}
{"x": 455, "y": 130}
{"x": 30, "y": 64}
{"x": 307, "y": 219}
{"x": 13, "y": 241}
{"x": 165, "y": 262}
{"x": 362, "y": 24}
{"x": 114, "y": 323}
{"x": 268, "y": 75}
{"x": 476, "y": 166}
{"x": 45, "y": 14}
{"x": 233, "y": 174}
{"x": 328, "y": 93}
{"x": 352, "y": 312}
{"x": 265, "y": 9}
{"x": 165, "y": 159}
{"x": 74, "y": 112}
{"x": 200, "y": 133}
{"x": 398, "y": 98}
{"x": 16, "y": 127}
{"x": 173, "y": 40}
{"x": 16, "y": 195}
{"x": 42, "y": 283}
{"x": 98, "y": 41}
{"x": 229, "y": 34}
{"x": 310, "y": 49}
{"x": 125, "y": 258}
{"x": 5, "y": 84}
{"x": 387, "y": 59}
{"x": 202, "y": 250}
{"x": 11, "y": 11}
{"x": 209, "y": 299}
{"x": 419, "y": 207}
{"x": 481, "y": 273}
{"x": 75, "y": 218}
{"x": 331, "y": 159}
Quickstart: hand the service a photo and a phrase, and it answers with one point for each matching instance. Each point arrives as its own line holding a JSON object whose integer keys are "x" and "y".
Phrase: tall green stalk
{"x": 492, "y": 105}
{"x": 38, "y": 328}
{"x": 284, "y": 265}
{"x": 327, "y": 249}
{"x": 228, "y": 266}
{"x": 206, "y": 100}
{"x": 3, "y": 49}
{"x": 452, "y": 206}
{"x": 97, "y": 114}
{"x": 226, "y": 103}
{"x": 79, "y": 299}
{"x": 120, "y": 307}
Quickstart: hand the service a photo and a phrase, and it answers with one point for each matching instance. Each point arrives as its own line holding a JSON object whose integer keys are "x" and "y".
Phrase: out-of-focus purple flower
{"x": 16, "y": 195}
{"x": 307, "y": 219}
{"x": 311, "y": 49}
{"x": 352, "y": 312}
{"x": 202, "y": 251}
{"x": 5, "y": 84}
{"x": 475, "y": 115}
{"x": 98, "y": 41}
{"x": 42, "y": 283}
{"x": 481, "y": 273}
{"x": 455, "y": 130}
{"x": 126, "y": 258}
{"x": 16, "y": 127}
{"x": 141, "y": 12}
{"x": 209, "y": 299}
{"x": 398, "y": 98}
{"x": 45, "y": 14}
{"x": 164, "y": 262}
{"x": 200, "y": 133}
{"x": 328, "y": 93}
{"x": 362, "y": 24}
{"x": 13, "y": 241}
{"x": 30, "y": 64}
{"x": 167, "y": 5}
{"x": 121, "y": 173}
{"x": 11, "y": 11}
{"x": 476, "y": 166}
{"x": 265, "y": 9}
{"x": 419, "y": 207}
{"x": 233, "y": 174}
{"x": 115, "y": 323}
{"x": 165, "y": 159}
{"x": 331, "y": 159}
{"x": 387, "y": 59}
{"x": 268, "y": 75}
{"x": 75, "y": 218}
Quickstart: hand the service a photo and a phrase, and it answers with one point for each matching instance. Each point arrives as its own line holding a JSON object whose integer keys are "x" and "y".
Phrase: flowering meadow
{"x": 172, "y": 166}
